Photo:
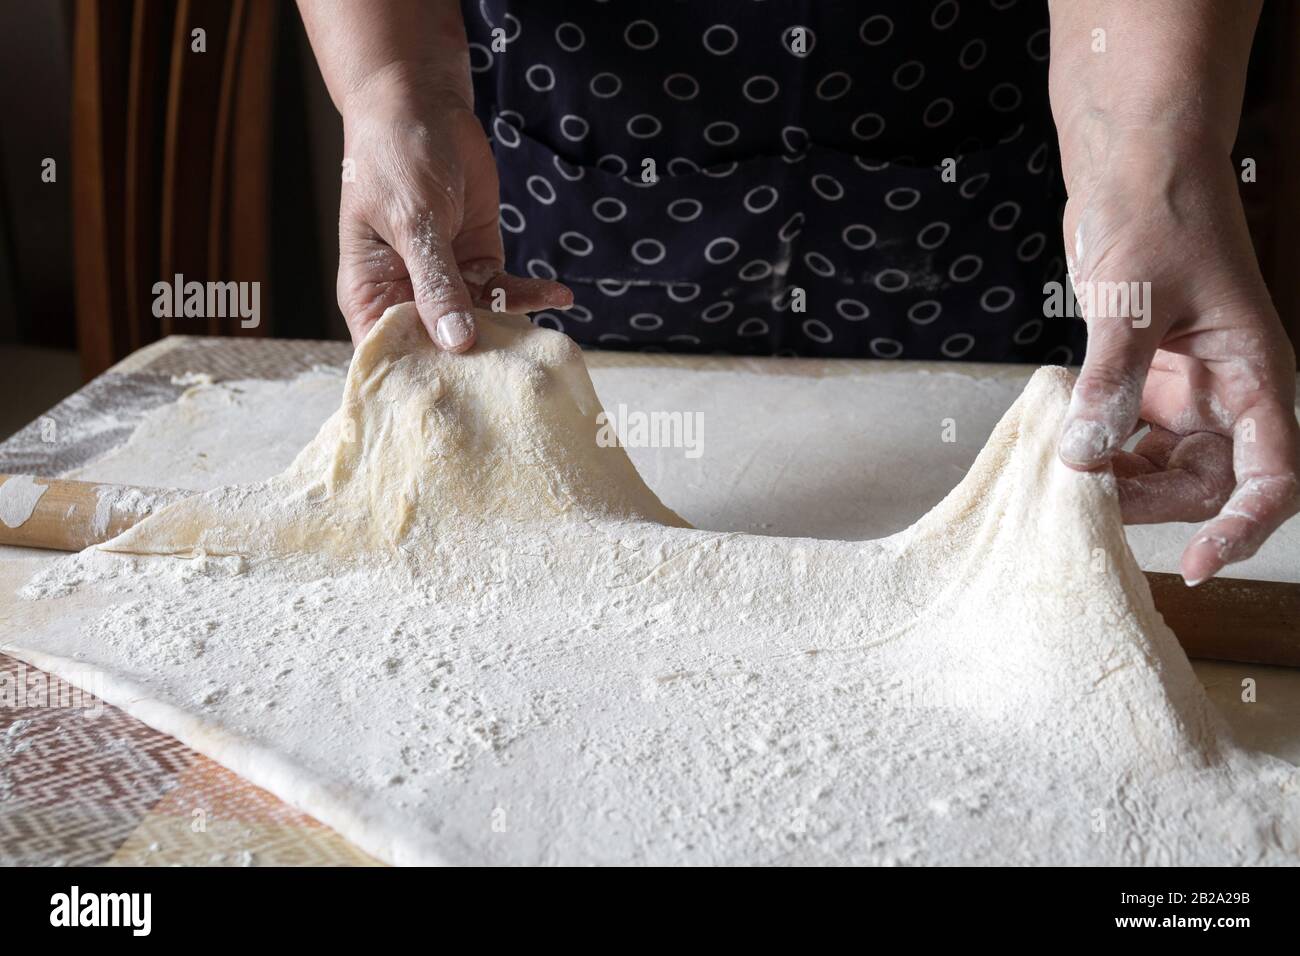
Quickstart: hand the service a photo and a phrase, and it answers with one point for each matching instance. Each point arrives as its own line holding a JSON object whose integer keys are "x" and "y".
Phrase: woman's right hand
{"x": 419, "y": 217}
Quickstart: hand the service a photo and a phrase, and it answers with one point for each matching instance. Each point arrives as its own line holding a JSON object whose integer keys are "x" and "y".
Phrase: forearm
{"x": 400, "y": 45}
{"x": 1172, "y": 76}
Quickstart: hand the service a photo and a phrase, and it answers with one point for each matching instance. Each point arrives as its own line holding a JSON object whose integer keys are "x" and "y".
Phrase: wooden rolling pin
{"x": 71, "y": 515}
{"x": 1229, "y": 619}
{"x": 1232, "y": 619}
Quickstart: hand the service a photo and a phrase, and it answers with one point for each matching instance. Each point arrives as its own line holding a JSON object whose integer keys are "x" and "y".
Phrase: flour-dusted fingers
{"x": 1159, "y": 443}
{"x": 481, "y": 254}
{"x": 526, "y": 294}
{"x": 1266, "y": 443}
{"x": 493, "y": 288}
{"x": 441, "y": 296}
{"x": 371, "y": 279}
{"x": 1108, "y": 394}
{"x": 1125, "y": 464}
{"x": 1190, "y": 479}
{"x": 1150, "y": 454}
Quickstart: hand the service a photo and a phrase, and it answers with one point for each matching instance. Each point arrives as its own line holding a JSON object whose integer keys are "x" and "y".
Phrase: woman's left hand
{"x": 1203, "y": 359}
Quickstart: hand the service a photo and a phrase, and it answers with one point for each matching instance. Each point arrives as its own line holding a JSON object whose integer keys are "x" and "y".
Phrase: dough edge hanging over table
{"x": 458, "y": 630}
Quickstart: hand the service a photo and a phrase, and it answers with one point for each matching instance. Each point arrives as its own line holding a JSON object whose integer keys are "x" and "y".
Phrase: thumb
{"x": 441, "y": 296}
{"x": 1107, "y": 397}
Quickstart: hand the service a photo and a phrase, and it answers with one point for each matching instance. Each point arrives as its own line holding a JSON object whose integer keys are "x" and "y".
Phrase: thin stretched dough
{"x": 554, "y": 668}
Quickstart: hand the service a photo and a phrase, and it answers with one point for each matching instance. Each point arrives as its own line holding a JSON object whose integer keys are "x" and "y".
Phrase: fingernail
{"x": 455, "y": 329}
{"x": 1084, "y": 442}
{"x": 1192, "y": 582}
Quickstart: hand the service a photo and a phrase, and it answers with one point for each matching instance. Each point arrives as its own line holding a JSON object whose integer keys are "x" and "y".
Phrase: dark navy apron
{"x": 798, "y": 207}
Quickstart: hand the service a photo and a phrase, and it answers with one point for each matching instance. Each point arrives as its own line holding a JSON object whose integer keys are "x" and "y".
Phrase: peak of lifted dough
{"x": 506, "y": 429}
{"x": 423, "y": 437}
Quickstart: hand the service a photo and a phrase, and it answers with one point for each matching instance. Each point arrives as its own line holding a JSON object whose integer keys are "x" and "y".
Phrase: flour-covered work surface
{"x": 459, "y": 628}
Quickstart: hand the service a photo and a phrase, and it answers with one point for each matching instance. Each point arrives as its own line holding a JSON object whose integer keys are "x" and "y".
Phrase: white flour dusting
{"x": 116, "y": 500}
{"x": 18, "y": 499}
{"x": 221, "y": 433}
{"x": 458, "y": 631}
{"x": 190, "y": 379}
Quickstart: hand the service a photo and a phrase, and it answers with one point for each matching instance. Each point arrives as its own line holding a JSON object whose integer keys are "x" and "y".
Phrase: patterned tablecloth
{"x": 82, "y": 783}
{"x": 85, "y": 784}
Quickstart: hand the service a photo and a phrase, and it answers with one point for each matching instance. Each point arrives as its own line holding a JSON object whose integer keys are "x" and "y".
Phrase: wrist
{"x": 1099, "y": 146}
{"x": 404, "y": 86}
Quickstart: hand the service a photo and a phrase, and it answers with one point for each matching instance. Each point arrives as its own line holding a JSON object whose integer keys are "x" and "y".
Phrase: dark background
{"x": 38, "y": 224}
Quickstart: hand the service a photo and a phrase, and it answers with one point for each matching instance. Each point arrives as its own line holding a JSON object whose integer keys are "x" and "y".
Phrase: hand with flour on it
{"x": 1212, "y": 373}
{"x": 419, "y": 215}
{"x": 1154, "y": 206}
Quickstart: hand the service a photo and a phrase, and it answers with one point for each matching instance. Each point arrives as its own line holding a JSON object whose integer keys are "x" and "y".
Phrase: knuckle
{"x": 430, "y": 216}
{"x": 434, "y": 287}
{"x": 1103, "y": 382}
{"x": 1214, "y": 495}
